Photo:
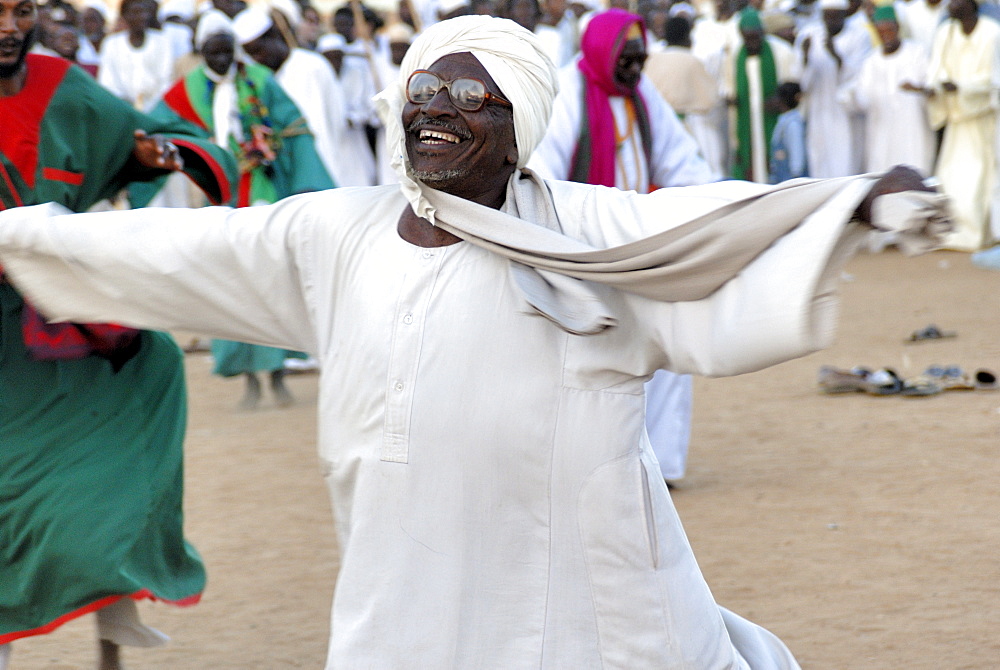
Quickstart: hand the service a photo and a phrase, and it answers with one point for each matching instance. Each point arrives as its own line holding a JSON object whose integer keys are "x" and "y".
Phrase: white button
{"x": 428, "y": 254}
{"x": 398, "y": 386}
{"x": 408, "y": 319}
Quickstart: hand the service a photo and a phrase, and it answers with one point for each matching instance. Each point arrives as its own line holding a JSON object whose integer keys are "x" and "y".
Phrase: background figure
{"x": 831, "y": 58}
{"x": 890, "y": 92}
{"x": 137, "y": 63}
{"x": 964, "y": 77}
{"x": 788, "y": 142}
{"x": 756, "y": 76}
{"x": 243, "y": 109}
{"x": 92, "y": 416}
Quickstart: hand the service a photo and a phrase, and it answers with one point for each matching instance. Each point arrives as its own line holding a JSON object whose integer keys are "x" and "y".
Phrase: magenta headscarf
{"x": 601, "y": 45}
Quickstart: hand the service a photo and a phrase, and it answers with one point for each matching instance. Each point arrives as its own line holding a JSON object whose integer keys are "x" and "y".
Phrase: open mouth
{"x": 437, "y": 137}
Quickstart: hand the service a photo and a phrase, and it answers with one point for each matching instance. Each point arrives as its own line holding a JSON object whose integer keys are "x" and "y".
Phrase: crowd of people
{"x": 769, "y": 90}
{"x": 256, "y": 104}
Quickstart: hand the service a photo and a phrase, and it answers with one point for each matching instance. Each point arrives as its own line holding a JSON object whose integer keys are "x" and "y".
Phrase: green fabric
{"x": 297, "y": 167}
{"x": 742, "y": 162}
{"x": 91, "y": 479}
{"x": 884, "y": 13}
{"x": 750, "y": 19}
{"x": 91, "y": 461}
{"x": 236, "y": 358}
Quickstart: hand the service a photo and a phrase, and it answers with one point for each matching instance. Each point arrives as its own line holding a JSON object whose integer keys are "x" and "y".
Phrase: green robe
{"x": 296, "y": 168}
{"x": 91, "y": 477}
{"x": 743, "y": 160}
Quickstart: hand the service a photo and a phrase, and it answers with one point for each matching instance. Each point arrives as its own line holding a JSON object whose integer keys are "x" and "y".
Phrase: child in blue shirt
{"x": 788, "y": 142}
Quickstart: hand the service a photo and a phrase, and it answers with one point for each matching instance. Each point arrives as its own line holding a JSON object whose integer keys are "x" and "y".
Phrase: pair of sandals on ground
{"x": 884, "y": 381}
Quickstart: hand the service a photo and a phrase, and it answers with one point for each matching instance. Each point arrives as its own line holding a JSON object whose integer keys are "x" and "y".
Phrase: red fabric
{"x": 71, "y": 341}
{"x": 225, "y": 193}
{"x": 55, "y": 174}
{"x": 601, "y": 46}
{"x": 177, "y": 99}
{"x": 143, "y": 594}
{"x": 22, "y": 113}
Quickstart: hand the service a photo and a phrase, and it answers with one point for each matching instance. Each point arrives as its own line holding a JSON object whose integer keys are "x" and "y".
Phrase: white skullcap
{"x": 512, "y": 56}
{"x": 211, "y": 23}
{"x": 250, "y": 24}
{"x": 682, "y": 9}
{"x": 399, "y": 32}
{"x": 291, "y": 9}
{"x": 331, "y": 42}
{"x": 833, "y": 4}
{"x": 181, "y": 8}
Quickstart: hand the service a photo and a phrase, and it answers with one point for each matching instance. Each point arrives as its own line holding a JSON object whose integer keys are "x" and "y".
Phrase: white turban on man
{"x": 513, "y": 57}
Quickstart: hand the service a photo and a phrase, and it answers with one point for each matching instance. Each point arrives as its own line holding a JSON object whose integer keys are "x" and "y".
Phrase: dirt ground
{"x": 862, "y": 530}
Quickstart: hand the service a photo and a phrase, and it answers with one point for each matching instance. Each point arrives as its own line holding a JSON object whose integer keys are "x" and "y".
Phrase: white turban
{"x": 512, "y": 56}
{"x": 250, "y": 24}
{"x": 833, "y": 4}
{"x": 211, "y": 23}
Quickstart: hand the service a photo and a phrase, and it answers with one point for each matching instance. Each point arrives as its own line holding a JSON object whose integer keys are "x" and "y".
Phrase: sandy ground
{"x": 862, "y": 530}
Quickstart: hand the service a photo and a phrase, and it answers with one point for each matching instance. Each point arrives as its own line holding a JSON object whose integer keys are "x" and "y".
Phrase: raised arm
{"x": 238, "y": 274}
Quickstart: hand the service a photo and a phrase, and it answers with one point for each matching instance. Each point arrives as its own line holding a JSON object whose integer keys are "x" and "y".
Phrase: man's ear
{"x": 512, "y": 156}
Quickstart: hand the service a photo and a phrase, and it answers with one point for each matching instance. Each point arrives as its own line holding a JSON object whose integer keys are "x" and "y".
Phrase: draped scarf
{"x": 769, "y": 84}
{"x": 601, "y": 46}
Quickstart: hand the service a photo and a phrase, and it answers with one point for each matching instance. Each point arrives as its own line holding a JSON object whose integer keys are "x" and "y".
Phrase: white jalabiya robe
{"x": 496, "y": 506}
{"x": 830, "y": 128}
{"x": 966, "y": 165}
{"x": 311, "y": 83}
{"x": 676, "y": 162}
{"x": 919, "y": 21}
{"x": 897, "y": 131}
{"x": 138, "y": 76}
{"x": 358, "y": 86}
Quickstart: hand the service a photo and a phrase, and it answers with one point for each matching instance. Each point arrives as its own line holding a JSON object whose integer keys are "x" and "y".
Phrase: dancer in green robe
{"x": 92, "y": 416}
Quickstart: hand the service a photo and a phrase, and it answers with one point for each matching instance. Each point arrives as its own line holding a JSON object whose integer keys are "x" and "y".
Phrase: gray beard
{"x": 430, "y": 178}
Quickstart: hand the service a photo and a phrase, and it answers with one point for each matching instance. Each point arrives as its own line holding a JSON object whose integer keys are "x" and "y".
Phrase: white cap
{"x": 833, "y": 4}
{"x": 250, "y": 24}
{"x": 331, "y": 42}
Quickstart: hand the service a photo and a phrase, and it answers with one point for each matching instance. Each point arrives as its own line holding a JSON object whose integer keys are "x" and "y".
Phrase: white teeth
{"x": 435, "y": 137}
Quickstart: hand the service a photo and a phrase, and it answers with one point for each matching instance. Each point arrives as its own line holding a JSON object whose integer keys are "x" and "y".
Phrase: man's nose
{"x": 440, "y": 104}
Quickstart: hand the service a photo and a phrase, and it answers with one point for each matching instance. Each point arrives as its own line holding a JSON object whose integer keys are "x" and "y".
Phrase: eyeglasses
{"x": 466, "y": 93}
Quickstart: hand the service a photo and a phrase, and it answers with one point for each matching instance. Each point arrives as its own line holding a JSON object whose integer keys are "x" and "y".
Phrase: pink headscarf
{"x": 601, "y": 45}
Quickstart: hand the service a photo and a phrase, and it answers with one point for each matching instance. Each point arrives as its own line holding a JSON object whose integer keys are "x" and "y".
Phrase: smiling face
{"x": 468, "y": 154}
{"x": 17, "y": 29}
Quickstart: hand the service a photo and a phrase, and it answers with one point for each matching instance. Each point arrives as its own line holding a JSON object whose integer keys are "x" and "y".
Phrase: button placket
{"x": 408, "y": 326}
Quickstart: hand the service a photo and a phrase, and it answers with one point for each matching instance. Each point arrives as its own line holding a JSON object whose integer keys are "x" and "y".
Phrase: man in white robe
{"x": 309, "y": 81}
{"x": 831, "y": 58}
{"x": 890, "y": 93}
{"x": 964, "y": 76}
{"x": 137, "y": 64}
{"x": 495, "y": 504}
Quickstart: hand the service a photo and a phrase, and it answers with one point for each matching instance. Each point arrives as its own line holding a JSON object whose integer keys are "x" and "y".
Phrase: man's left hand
{"x": 898, "y": 179}
{"x": 154, "y": 151}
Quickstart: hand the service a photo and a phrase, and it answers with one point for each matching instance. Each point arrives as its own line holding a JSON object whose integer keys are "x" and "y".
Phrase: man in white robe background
{"x": 495, "y": 502}
{"x": 964, "y": 77}
{"x": 890, "y": 93}
{"x": 831, "y": 58}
